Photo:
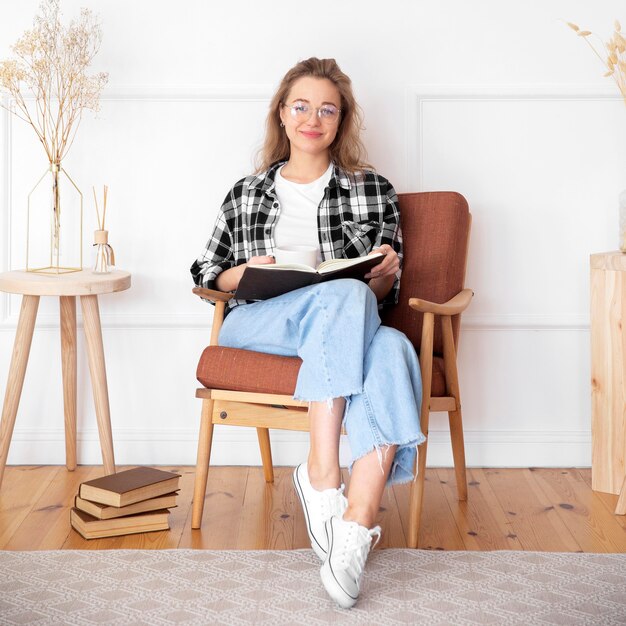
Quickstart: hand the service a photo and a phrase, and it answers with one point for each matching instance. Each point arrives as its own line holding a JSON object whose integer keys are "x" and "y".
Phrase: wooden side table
{"x": 88, "y": 286}
{"x": 608, "y": 375}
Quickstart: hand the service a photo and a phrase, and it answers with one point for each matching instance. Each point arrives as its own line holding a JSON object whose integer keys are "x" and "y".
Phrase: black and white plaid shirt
{"x": 358, "y": 212}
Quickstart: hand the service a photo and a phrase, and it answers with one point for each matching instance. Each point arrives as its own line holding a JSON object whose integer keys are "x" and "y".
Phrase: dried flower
{"x": 613, "y": 56}
{"x": 48, "y": 79}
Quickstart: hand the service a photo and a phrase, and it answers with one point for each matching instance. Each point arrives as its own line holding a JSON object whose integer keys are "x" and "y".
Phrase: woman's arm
{"x": 385, "y": 277}
{"x": 221, "y": 265}
{"x": 228, "y": 280}
{"x": 382, "y": 286}
{"x": 217, "y": 256}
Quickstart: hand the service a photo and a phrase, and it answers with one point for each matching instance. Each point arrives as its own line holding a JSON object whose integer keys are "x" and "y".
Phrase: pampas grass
{"x": 612, "y": 53}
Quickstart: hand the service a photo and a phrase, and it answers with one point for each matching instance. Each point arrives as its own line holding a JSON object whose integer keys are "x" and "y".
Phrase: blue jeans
{"x": 335, "y": 329}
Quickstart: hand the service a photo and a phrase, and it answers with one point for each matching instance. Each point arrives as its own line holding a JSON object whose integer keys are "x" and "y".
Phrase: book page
{"x": 335, "y": 264}
{"x": 285, "y": 266}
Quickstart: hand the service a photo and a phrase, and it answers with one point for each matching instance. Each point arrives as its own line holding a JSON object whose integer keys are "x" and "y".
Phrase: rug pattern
{"x": 189, "y": 587}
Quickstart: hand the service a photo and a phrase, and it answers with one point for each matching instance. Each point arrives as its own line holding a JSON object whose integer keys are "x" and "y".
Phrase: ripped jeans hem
{"x": 327, "y": 398}
{"x": 398, "y": 474}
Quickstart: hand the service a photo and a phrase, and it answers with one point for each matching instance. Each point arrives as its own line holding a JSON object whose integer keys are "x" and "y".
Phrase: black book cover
{"x": 258, "y": 283}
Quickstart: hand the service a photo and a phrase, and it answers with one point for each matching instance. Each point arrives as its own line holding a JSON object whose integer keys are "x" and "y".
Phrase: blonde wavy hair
{"x": 347, "y": 150}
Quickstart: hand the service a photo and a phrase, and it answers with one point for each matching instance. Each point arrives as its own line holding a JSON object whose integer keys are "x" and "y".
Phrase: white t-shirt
{"x": 297, "y": 221}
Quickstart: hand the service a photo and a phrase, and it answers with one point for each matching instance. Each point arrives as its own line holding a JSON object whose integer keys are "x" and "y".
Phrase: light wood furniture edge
{"x": 615, "y": 260}
{"x": 71, "y": 284}
{"x": 454, "y": 306}
{"x": 608, "y": 372}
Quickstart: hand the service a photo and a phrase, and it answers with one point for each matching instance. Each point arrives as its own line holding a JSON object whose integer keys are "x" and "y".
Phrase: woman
{"x": 313, "y": 187}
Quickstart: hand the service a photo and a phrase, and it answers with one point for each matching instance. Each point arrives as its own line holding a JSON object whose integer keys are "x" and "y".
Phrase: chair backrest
{"x": 435, "y": 231}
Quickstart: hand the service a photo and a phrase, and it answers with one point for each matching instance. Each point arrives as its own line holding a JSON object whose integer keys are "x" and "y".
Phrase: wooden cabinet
{"x": 608, "y": 374}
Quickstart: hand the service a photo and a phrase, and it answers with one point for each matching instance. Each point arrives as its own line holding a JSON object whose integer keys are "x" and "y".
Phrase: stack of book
{"x": 132, "y": 501}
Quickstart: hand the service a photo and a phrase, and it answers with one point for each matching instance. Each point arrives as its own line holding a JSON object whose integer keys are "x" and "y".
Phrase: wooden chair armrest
{"x": 212, "y": 295}
{"x": 220, "y": 298}
{"x": 454, "y": 306}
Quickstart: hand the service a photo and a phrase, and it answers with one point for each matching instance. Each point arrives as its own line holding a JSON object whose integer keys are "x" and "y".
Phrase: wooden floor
{"x": 508, "y": 509}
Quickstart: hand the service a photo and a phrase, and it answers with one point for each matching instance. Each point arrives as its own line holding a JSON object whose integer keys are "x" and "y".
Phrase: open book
{"x": 261, "y": 282}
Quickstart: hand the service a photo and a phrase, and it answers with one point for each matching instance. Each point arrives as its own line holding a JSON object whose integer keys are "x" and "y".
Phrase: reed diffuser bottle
{"x": 104, "y": 257}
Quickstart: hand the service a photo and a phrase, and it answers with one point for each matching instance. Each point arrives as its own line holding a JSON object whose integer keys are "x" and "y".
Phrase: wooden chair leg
{"x": 454, "y": 417}
{"x": 417, "y": 488}
{"x": 205, "y": 440}
{"x": 266, "y": 453}
{"x": 458, "y": 452}
{"x": 417, "y": 497}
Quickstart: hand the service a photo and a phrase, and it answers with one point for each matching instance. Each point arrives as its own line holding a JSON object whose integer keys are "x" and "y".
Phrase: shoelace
{"x": 332, "y": 503}
{"x": 353, "y": 553}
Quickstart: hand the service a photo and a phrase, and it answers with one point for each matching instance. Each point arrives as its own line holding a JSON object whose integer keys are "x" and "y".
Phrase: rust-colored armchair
{"x": 245, "y": 388}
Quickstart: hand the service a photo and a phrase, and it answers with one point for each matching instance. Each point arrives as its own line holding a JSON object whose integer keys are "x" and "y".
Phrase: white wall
{"x": 497, "y": 100}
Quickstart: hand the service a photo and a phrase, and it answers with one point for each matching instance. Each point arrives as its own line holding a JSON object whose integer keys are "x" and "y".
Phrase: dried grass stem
{"x": 50, "y": 66}
{"x": 613, "y": 55}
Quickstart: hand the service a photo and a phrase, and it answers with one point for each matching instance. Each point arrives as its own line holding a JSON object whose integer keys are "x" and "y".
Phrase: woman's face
{"x": 312, "y": 136}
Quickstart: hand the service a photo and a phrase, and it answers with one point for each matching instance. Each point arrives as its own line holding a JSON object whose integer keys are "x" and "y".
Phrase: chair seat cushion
{"x": 256, "y": 372}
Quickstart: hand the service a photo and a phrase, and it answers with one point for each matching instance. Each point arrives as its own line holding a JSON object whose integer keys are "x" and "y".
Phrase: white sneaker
{"x": 318, "y": 506}
{"x": 349, "y": 544}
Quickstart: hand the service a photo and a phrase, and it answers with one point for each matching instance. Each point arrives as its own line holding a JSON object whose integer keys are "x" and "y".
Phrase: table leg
{"x": 95, "y": 353}
{"x": 17, "y": 370}
{"x": 68, "y": 366}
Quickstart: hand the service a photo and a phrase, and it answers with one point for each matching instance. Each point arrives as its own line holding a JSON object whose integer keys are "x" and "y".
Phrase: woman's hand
{"x": 388, "y": 266}
{"x": 383, "y": 275}
{"x": 260, "y": 260}
{"x": 228, "y": 280}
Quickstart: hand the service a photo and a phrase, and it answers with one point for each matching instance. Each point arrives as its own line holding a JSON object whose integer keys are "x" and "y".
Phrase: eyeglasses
{"x": 301, "y": 112}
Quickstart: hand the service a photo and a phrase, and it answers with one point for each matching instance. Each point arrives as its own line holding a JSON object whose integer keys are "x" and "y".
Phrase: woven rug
{"x": 283, "y": 587}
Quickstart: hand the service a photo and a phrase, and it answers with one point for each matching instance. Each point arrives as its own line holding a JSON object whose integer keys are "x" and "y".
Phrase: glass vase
{"x": 54, "y": 224}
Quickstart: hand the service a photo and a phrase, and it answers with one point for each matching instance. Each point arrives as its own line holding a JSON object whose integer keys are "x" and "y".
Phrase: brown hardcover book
{"x": 104, "y": 511}
{"x": 260, "y": 282}
{"x": 129, "y": 486}
{"x": 92, "y": 528}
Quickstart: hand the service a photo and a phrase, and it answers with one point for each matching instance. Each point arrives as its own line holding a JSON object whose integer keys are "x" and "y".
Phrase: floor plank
{"x": 532, "y": 515}
{"x": 47, "y": 525}
{"x": 609, "y": 500}
{"x": 593, "y": 526}
{"x": 22, "y": 488}
{"x": 480, "y": 520}
{"x": 223, "y": 503}
{"x": 520, "y": 509}
{"x": 438, "y": 530}
{"x": 266, "y": 522}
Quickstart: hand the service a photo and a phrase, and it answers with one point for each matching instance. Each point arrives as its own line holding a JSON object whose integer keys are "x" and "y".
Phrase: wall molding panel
{"x": 417, "y": 96}
{"x": 239, "y": 446}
